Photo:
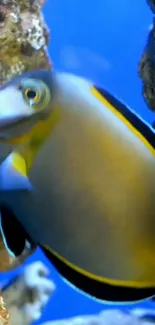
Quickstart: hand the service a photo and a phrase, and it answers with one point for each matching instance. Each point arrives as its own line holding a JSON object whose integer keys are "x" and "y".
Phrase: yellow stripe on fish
{"x": 33, "y": 140}
{"x": 99, "y": 287}
{"x": 120, "y": 111}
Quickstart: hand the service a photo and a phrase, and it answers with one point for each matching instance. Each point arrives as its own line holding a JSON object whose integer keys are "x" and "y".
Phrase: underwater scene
{"x": 98, "y": 59}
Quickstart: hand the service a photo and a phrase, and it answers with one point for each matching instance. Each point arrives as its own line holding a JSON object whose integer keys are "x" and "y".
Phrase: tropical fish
{"x": 81, "y": 184}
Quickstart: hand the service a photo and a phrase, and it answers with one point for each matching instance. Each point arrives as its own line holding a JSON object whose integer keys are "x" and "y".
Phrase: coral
{"x": 28, "y": 294}
{"x": 146, "y": 66}
{"x": 4, "y": 315}
{"x": 151, "y": 3}
{"x": 23, "y": 38}
{"x": 106, "y": 317}
{"x": 147, "y": 70}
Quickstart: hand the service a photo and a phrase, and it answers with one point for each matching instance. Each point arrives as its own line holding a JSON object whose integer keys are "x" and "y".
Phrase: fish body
{"x": 91, "y": 202}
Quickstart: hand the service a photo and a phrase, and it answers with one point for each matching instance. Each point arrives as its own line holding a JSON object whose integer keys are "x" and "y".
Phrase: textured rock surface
{"x": 147, "y": 65}
{"x": 151, "y": 3}
{"x": 4, "y": 315}
{"x": 28, "y": 294}
{"x": 23, "y": 38}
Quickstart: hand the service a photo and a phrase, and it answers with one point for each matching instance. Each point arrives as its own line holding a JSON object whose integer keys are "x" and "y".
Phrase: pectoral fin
{"x": 13, "y": 174}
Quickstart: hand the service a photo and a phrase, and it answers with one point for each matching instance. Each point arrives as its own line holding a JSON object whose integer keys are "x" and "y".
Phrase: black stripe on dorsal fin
{"x": 134, "y": 119}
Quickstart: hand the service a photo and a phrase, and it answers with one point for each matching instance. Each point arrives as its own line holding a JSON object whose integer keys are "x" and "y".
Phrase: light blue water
{"x": 103, "y": 41}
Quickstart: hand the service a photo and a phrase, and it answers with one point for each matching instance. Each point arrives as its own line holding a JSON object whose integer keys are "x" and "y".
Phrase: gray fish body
{"x": 93, "y": 201}
{"x": 94, "y": 197}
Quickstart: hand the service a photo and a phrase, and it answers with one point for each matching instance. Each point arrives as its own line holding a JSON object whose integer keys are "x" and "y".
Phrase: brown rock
{"x": 146, "y": 68}
{"x": 4, "y": 315}
{"x": 151, "y": 3}
{"x": 23, "y": 38}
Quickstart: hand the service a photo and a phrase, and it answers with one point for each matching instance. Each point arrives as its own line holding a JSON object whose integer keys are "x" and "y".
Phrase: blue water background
{"x": 102, "y": 40}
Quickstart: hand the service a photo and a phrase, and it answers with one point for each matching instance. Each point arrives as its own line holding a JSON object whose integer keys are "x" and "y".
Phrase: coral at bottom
{"x": 27, "y": 294}
{"x": 106, "y": 317}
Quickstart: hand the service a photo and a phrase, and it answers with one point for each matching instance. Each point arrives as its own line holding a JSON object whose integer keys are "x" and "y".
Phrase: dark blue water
{"x": 103, "y": 41}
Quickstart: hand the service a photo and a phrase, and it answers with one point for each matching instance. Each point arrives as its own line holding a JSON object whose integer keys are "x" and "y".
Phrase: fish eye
{"x": 35, "y": 93}
{"x": 32, "y": 94}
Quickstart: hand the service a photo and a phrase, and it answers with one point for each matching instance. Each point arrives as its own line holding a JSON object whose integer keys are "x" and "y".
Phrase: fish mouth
{"x": 15, "y": 130}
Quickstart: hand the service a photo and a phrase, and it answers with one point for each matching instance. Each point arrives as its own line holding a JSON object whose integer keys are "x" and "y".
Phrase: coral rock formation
{"x": 28, "y": 294}
{"x": 106, "y": 317}
{"x": 4, "y": 315}
{"x": 147, "y": 65}
{"x": 151, "y": 3}
{"x": 23, "y": 38}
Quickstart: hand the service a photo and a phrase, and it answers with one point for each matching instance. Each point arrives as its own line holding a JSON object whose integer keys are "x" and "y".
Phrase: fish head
{"x": 24, "y": 101}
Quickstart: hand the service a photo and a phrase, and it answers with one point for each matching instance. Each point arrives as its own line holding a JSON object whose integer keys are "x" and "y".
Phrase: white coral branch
{"x": 29, "y": 294}
{"x": 35, "y": 278}
{"x": 106, "y": 317}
